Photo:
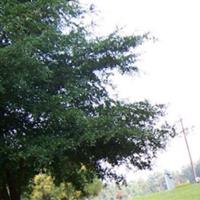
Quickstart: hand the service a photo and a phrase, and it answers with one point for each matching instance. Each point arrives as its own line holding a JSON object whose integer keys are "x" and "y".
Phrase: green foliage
{"x": 44, "y": 188}
{"x": 55, "y": 111}
{"x": 94, "y": 188}
{"x": 187, "y": 192}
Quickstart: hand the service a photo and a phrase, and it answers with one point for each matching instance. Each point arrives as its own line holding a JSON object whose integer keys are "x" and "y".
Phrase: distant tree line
{"x": 154, "y": 183}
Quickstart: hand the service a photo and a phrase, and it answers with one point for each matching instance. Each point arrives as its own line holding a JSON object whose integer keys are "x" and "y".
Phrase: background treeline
{"x": 154, "y": 183}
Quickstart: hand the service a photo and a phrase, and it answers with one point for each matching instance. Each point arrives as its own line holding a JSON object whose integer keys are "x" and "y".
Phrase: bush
{"x": 44, "y": 189}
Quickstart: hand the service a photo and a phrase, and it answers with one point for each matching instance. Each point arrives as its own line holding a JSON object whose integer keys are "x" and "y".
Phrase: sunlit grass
{"x": 185, "y": 192}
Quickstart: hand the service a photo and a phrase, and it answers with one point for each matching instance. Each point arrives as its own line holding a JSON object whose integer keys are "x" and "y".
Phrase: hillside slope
{"x": 186, "y": 192}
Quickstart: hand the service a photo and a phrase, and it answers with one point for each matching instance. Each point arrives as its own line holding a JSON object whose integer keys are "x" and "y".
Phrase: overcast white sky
{"x": 170, "y": 68}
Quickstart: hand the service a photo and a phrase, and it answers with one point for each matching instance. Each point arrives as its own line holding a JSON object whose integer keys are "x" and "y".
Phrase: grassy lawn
{"x": 186, "y": 192}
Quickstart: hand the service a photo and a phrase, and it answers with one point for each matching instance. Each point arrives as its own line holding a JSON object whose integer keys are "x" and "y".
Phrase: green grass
{"x": 185, "y": 192}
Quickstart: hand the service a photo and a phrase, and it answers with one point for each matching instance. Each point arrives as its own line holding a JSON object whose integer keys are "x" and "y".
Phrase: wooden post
{"x": 188, "y": 149}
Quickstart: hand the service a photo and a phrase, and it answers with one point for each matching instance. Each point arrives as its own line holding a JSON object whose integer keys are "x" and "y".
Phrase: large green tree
{"x": 55, "y": 112}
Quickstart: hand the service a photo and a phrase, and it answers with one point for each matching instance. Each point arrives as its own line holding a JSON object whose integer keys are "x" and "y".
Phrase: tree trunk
{"x": 13, "y": 186}
{"x": 4, "y": 195}
{"x": 14, "y": 193}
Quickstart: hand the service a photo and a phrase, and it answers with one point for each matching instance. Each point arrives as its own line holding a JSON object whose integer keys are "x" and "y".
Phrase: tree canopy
{"x": 55, "y": 112}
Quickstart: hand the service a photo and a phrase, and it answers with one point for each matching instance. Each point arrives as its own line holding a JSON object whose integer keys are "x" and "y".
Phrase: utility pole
{"x": 188, "y": 149}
